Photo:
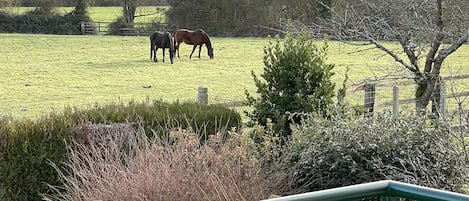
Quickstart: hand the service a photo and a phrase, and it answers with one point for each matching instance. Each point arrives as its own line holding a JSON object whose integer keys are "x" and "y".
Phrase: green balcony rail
{"x": 386, "y": 190}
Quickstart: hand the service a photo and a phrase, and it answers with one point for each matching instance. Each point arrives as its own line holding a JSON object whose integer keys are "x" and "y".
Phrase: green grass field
{"x": 40, "y": 73}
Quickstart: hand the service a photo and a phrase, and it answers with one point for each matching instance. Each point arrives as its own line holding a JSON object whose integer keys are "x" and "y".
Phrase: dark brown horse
{"x": 161, "y": 40}
{"x": 196, "y": 38}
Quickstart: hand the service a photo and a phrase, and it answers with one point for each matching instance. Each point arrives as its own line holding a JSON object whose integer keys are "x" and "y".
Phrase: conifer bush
{"x": 296, "y": 78}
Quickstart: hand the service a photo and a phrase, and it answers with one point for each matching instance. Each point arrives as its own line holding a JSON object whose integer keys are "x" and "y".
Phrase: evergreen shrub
{"x": 296, "y": 79}
{"x": 346, "y": 149}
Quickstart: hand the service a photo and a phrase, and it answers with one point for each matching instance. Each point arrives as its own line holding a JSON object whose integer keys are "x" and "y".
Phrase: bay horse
{"x": 193, "y": 37}
{"x": 161, "y": 40}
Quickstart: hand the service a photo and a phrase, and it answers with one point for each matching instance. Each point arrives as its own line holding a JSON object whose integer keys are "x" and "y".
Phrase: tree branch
{"x": 409, "y": 50}
{"x": 396, "y": 58}
{"x": 437, "y": 42}
{"x": 449, "y": 50}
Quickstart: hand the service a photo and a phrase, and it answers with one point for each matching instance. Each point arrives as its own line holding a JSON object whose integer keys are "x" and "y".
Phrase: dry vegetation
{"x": 119, "y": 162}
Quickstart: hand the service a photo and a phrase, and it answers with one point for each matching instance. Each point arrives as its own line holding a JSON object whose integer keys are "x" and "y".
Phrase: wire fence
{"x": 400, "y": 96}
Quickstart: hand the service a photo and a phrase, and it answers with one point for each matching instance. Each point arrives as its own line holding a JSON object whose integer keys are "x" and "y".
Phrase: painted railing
{"x": 386, "y": 190}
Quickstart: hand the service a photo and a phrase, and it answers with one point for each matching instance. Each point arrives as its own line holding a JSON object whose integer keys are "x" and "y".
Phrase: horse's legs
{"x": 154, "y": 56}
{"x": 163, "y": 54}
{"x": 193, "y": 49}
{"x": 200, "y": 49}
{"x": 176, "y": 48}
{"x": 151, "y": 49}
{"x": 171, "y": 55}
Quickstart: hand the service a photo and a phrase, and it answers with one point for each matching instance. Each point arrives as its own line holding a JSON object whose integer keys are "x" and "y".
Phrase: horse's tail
{"x": 176, "y": 39}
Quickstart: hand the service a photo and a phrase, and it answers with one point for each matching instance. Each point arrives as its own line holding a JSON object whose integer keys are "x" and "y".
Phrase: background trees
{"x": 428, "y": 31}
{"x": 240, "y": 17}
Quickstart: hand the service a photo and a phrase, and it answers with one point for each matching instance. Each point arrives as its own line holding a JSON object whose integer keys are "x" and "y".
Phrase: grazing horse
{"x": 197, "y": 38}
{"x": 161, "y": 40}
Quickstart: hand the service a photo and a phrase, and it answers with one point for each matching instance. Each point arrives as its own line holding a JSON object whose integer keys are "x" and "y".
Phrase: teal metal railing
{"x": 386, "y": 190}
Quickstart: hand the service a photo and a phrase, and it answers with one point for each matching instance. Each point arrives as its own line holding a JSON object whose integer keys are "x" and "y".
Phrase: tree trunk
{"x": 421, "y": 104}
{"x": 129, "y": 11}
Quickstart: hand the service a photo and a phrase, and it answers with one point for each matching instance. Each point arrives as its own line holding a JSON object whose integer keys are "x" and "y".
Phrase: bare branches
{"x": 420, "y": 26}
{"x": 396, "y": 58}
{"x": 447, "y": 51}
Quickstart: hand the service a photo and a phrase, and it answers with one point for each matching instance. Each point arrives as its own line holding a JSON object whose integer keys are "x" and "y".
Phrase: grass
{"x": 41, "y": 73}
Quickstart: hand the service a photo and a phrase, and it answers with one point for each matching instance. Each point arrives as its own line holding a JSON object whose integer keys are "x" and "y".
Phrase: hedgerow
{"x": 26, "y": 146}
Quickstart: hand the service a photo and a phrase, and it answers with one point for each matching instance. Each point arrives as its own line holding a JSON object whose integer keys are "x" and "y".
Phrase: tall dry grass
{"x": 118, "y": 162}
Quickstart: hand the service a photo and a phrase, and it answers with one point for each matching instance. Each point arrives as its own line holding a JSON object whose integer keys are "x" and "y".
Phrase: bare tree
{"x": 428, "y": 31}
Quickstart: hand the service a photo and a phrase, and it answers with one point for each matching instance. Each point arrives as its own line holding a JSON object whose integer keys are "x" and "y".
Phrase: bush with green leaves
{"x": 296, "y": 78}
{"x": 348, "y": 149}
{"x": 44, "y": 20}
{"x": 26, "y": 146}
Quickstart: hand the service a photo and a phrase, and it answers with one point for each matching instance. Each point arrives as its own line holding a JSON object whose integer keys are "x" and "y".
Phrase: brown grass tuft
{"x": 121, "y": 163}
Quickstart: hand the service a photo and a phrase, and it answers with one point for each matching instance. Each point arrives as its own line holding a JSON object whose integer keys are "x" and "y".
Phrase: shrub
{"x": 296, "y": 78}
{"x": 116, "y": 25}
{"x": 43, "y": 21}
{"x": 179, "y": 167}
{"x": 26, "y": 145}
{"x": 346, "y": 150}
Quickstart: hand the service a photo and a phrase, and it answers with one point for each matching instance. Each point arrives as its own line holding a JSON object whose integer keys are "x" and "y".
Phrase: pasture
{"x": 41, "y": 73}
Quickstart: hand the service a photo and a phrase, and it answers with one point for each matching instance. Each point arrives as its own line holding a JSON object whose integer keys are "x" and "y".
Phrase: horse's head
{"x": 210, "y": 52}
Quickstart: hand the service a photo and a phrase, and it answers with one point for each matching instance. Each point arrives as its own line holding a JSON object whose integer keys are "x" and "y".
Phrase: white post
{"x": 82, "y": 25}
{"x": 202, "y": 96}
{"x": 395, "y": 102}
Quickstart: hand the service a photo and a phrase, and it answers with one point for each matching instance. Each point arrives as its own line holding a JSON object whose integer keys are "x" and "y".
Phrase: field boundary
{"x": 135, "y": 29}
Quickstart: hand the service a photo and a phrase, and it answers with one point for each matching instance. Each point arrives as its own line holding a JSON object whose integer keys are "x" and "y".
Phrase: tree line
{"x": 218, "y": 17}
{"x": 71, "y": 3}
{"x": 243, "y": 17}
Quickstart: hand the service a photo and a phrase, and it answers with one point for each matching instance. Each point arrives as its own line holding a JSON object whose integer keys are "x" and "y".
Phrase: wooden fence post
{"x": 82, "y": 26}
{"x": 369, "y": 99}
{"x": 202, "y": 96}
{"x": 395, "y": 102}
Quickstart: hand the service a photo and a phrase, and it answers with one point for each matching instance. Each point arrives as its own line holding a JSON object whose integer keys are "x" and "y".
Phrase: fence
{"x": 135, "y": 29}
{"x": 438, "y": 100}
{"x": 386, "y": 190}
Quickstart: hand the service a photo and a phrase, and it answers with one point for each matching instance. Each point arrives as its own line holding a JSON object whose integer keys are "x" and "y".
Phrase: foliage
{"x": 349, "y": 149}
{"x": 44, "y": 20}
{"x": 67, "y": 3}
{"x": 296, "y": 78}
{"x": 5, "y": 3}
{"x": 240, "y": 17}
{"x": 26, "y": 145}
{"x": 179, "y": 167}
{"x": 116, "y": 26}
